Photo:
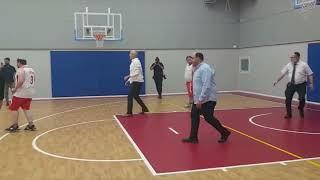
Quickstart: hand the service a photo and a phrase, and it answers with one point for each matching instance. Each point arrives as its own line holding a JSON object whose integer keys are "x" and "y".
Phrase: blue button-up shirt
{"x": 204, "y": 85}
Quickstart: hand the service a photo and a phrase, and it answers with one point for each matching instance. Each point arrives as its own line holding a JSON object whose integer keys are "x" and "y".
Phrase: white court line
{"x": 238, "y": 166}
{"x": 174, "y": 131}
{"x": 276, "y": 129}
{"x": 2, "y": 137}
{"x": 70, "y": 110}
{"x": 225, "y": 109}
{"x": 283, "y": 163}
{"x": 35, "y": 146}
{"x": 175, "y": 105}
{"x": 218, "y": 109}
{"x": 224, "y": 169}
{"x": 147, "y": 163}
{"x": 245, "y": 93}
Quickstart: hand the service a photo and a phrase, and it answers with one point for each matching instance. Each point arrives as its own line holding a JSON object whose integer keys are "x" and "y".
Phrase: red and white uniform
{"x": 23, "y": 95}
{"x": 188, "y": 78}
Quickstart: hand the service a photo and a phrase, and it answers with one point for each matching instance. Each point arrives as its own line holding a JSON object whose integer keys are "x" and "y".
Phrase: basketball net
{"x": 99, "y": 39}
{"x": 306, "y": 8}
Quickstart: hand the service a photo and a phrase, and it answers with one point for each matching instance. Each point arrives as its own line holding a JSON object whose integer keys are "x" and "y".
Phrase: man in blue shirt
{"x": 205, "y": 100}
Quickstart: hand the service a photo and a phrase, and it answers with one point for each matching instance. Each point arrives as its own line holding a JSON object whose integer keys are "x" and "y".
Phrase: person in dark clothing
{"x": 8, "y": 73}
{"x": 158, "y": 75}
{"x": 1, "y": 87}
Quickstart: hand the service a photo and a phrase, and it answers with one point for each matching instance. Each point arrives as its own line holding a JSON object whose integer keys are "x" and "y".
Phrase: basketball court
{"x": 81, "y": 98}
{"x": 86, "y": 139}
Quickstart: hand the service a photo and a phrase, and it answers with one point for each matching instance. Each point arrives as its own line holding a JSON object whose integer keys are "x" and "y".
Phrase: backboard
{"x": 297, "y": 4}
{"x": 87, "y": 24}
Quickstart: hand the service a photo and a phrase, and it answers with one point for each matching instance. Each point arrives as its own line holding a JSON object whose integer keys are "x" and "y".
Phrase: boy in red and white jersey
{"x": 22, "y": 95}
{"x": 188, "y": 78}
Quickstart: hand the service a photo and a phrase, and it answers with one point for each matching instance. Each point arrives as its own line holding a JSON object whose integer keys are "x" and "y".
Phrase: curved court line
{"x": 5, "y": 135}
{"x": 276, "y": 129}
{"x": 35, "y": 146}
{"x": 70, "y": 110}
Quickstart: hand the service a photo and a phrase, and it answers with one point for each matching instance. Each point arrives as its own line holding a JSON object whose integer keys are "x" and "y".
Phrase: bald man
{"x": 135, "y": 79}
{"x": 205, "y": 100}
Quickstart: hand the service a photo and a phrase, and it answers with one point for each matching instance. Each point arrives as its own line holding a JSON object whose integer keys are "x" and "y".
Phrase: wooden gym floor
{"x": 82, "y": 141}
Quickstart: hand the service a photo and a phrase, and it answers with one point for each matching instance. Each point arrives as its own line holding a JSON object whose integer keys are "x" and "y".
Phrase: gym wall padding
{"x": 314, "y": 63}
{"x": 90, "y": 73}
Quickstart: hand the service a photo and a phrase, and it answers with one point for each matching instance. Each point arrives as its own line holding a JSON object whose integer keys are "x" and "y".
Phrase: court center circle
{"x": 36, "y": 147}
{"x": 251, "y": 120}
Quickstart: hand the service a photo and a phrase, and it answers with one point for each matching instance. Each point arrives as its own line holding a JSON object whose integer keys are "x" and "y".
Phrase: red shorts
{"x": 18, "y": 102}
{"x": 189, "y": 88}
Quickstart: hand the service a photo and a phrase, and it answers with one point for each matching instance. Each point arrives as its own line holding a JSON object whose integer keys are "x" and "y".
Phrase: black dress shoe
{"x": 288, "y": 116}
{"x": 144, "y": 111}
{"x": 301, "y": 112}
{"x": 190, "y": 140}
{"x": 224, "y": 137}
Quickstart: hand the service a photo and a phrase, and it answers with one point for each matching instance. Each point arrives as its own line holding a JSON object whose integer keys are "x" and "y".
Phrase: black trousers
{"x": 134, "y": 93}
{"x": 207, "y": 111}
{"x": 158, "y": 81}
{"x": 290, "y": 90}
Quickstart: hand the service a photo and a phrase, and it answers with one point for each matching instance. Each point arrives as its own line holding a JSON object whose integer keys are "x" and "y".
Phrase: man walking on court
{"x": 298, "y": 73}
{"x": 22, "y": 96}
{"x": 158, "y": 75}
{"x": 8, "y": 72}
{"x": 205, "y": 100}
{"x": 135, "y": 79}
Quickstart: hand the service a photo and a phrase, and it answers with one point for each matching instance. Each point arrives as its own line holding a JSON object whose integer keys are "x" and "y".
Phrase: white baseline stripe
{"x": 238, "y": 166}
{"x": 117, "y": 96}
{"x": 278, "y": 97}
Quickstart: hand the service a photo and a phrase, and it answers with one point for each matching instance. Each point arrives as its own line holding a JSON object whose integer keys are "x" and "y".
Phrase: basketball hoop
{"x": 99, "y": 36}
{"x": 306, "y": 7}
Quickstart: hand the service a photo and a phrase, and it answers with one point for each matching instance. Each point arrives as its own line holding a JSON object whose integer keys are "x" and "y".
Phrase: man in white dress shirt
{"x": 298, "y": 73}
{"x": 135, "y": 79}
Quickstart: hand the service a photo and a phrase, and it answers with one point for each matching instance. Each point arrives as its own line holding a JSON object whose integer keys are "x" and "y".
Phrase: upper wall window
{"x": 244, "y": 64}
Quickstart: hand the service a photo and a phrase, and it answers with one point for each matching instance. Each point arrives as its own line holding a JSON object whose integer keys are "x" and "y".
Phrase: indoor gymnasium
{"x": 160, "y": 89}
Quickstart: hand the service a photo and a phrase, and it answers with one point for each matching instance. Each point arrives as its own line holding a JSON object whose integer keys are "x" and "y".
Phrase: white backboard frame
{"x": 297, "y": 4}
{"x": 85, "y": 30}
